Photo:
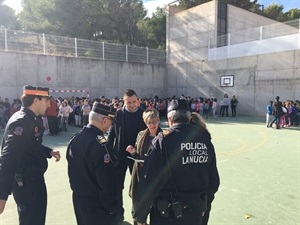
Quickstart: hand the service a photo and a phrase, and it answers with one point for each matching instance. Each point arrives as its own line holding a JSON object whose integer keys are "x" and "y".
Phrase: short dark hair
{"x": 27, "y": 100}
{"x": 129, "y": 93}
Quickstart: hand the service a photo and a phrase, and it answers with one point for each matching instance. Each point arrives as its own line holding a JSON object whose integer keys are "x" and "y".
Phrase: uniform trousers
{"x": 206, "y": 215}
{"x": 31, "y": 201}
{"x": 190, "y": 217}
{"x": 121, "y": 179}
{"x": 89, "y": 211}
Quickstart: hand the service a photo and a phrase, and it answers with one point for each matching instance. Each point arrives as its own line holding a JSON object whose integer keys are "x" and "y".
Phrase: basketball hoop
{"x": 226, "y": 81}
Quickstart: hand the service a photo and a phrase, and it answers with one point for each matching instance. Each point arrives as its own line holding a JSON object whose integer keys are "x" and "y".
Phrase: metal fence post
{"x": 261, "y": 33}
{"x": 44, "y": 44}
{"x": 75, "y": 47}
{"x": 103, "y": 55}
{"x": 299, "y": 36}
{"x": 228, "y": 46}
{"x": 126, "y": 53}
{"x": 5, "y": 39}
{"x": 147, "y": 55}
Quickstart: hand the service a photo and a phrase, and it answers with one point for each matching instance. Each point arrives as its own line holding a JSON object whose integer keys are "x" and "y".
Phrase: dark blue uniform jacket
{"x": 22, "y": 151}
{"x": 90, "y": 168}
{"x": 187, "y": 155}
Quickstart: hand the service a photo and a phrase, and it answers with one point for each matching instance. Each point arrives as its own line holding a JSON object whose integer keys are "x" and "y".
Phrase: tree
{"x": 145, "y": 35}
{"x": 87, "y": 19}
{"x": 122, "y": 16}
{"x": 158, "y": 22}
{"x": 78, "y": 18}
{"x": 34, "y": 15}
{"x": 75, "y": 18}
{"x": 292, "y": 14}
{"x": 152, "y": 31}
{"x": 274, "y": 11}
{"x": 8, "y": 18}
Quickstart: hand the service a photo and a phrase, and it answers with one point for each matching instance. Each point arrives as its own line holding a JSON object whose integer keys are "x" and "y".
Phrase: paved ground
{"x": 259, "y": 169}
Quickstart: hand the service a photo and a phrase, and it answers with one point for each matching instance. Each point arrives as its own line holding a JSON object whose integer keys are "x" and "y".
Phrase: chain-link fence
{"x": 36, "y": 43}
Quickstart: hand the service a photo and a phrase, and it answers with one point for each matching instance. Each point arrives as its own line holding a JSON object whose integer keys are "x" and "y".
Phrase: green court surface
{"x": 259, "y": 170}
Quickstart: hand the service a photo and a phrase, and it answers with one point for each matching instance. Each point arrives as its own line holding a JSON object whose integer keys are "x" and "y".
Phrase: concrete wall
{"x": 257, "y": 78}
{"x": 241, "y": 20}
{"x": 99, "y": 77}
{"x": 187, "y": 33}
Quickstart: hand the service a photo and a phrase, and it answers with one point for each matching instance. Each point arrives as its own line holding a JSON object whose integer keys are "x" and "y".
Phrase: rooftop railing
{"x": 259, "y": 33}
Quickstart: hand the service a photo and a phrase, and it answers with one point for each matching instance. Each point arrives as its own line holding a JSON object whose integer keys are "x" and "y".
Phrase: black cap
{"x": 35, "y": 91}
{"x": 104, "y": 110}
{"x": 178, "y": 104}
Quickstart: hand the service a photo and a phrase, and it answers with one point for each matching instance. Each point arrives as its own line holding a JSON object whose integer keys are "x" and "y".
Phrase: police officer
{"x": 92, "y": 170}
{"x": 180, "y": 175}
{"x": 23, "y": 158}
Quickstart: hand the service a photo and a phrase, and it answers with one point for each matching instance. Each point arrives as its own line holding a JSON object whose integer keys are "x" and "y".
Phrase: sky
{"x": 151, "y": 5}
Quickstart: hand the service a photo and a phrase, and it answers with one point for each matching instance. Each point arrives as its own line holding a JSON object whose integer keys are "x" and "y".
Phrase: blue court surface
{"x": 259, "y": 170}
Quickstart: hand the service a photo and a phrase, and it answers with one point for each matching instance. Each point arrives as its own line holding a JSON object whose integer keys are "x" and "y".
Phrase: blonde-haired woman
{"x": 199, "y": 122}
{"x": 143, "y": 142}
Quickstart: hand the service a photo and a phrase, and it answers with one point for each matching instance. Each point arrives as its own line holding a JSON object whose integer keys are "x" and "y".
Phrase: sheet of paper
{"x": 136, "y": 160}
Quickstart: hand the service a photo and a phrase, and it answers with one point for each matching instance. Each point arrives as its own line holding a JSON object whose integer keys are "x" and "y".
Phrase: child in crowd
{"x": 2, "y": 112}
{"x": 214, "y": 107}
{"x": 269, "y": 116}
{"x": 65, "y": 111}
{"x": 282, "y": 117}
{"x": 45, "y": 124}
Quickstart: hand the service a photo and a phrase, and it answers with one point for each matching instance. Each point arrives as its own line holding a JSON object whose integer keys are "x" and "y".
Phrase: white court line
{"x": 231, "y": 189}
{"x": 225, "y": 160}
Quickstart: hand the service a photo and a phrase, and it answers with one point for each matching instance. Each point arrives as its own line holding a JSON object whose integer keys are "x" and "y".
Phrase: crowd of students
{"x": 206, "y": 107}
{"x": 283, "y": 114}
{"x": 7, "y": 109}
{"x": 74, "y": 110}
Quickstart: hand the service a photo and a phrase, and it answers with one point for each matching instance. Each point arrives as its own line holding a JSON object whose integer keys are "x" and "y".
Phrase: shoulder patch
{"x": 166, "y": 132}
{"x": 21, "y": 115}
{"x": 101, "y": 139}
{"x": 18, "y": 131}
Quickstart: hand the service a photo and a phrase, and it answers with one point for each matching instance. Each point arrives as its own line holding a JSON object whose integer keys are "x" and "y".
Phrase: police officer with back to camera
{"x": 23, "y": 159}
{"x": 180, "y": 173}
{"x": 92, "y": 170}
